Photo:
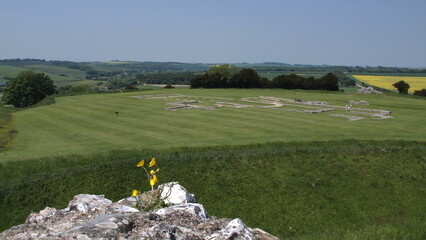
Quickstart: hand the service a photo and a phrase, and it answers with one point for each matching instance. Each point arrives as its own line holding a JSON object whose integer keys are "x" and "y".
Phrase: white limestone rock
{"x": 234, "y": 228}
{"x": 95, "y": 217}
{"x": 368, "y": 90}
{"x": 174, "y": 194}
{"x": 86, "y": 202}
{"x": 195, "y": 209}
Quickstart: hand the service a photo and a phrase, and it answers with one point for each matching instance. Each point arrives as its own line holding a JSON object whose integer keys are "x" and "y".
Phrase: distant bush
{"x": 64, "y": 89}
{"x": 80, "y": 89}
{"x": 169, "y": 86}
{"x": 402, "y": 87}
{"x": 131, "y": 87}
{"x": 420, "y": 92}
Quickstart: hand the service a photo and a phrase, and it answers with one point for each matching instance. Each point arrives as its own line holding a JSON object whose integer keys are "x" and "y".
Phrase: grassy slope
{"x": 75, "y": 73}
{"x": 312, "y": 190}
{"x": 53, "y": 72}
{"x": 7, "y": 131}
{"x": 87, "y": 123}
{"x": 9, "y": 71}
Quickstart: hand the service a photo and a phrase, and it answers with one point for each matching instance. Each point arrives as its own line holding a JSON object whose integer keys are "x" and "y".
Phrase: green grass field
{"x": 293, "y": 174}
{"x": 87, "y": 123}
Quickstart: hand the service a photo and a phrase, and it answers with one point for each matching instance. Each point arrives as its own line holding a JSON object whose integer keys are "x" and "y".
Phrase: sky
{"x": 333, "y": 32}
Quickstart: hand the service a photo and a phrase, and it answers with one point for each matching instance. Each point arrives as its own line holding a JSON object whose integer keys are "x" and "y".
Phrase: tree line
{"x": 326, "y": 68}
{"x": 227, "y": 76}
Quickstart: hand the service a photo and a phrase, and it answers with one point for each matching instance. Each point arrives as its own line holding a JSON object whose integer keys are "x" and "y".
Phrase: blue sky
{"x": 335, "y": 32}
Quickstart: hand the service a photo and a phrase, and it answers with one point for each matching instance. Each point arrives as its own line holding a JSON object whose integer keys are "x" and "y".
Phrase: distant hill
{"x": 63, "y": 71}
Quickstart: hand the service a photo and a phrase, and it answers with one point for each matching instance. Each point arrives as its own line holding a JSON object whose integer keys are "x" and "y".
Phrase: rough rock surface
{"x": 173, "y": 193}
{"x": 95, "y": 217}
{"x": 368, "y": 90}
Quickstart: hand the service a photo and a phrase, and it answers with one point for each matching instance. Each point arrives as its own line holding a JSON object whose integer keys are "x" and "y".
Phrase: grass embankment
{"x": 7, "y": 132}
{"x": 306, "y": 190}
{"x": 87, "y": 123}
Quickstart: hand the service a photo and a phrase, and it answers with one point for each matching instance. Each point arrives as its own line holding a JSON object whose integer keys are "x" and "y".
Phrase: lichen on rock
{"x": 96, "y": 217}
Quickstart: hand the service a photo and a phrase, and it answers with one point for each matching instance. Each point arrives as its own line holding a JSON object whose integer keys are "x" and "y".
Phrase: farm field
{"x": 7, "y": 72}
{"x": 88, "y": 123}
{"x": 416, "y": 83}
{"x": 57, "y": 74}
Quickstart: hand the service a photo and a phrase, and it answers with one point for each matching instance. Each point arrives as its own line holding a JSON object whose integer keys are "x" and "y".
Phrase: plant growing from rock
{"x": 149, "y": 200}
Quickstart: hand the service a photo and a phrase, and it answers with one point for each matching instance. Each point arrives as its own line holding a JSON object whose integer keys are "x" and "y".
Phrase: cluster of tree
{"x": 143, "y": 70}
{"x": 121, "y": 83}
{"x": 95, "y": 75}
{"x": 227, "y": 76}
{"x": 402, "y": 87}
{"x": 328, "y": 82}
{"x": 166, "y": 78}
{"x": 420, "y": 92}
{"x": 28, "y": 88}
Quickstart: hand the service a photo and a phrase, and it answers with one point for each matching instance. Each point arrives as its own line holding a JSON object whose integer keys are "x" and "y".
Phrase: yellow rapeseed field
{"x": 416, "y": 83}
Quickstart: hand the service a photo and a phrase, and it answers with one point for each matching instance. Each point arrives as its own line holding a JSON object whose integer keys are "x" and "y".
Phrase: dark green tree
{"x": 420, "y": 92}
{"x": 246, "y": 78}
{"x": 28, "y": 88}
{"x": 402, "y": 87}
{"x": 329, "y": 82}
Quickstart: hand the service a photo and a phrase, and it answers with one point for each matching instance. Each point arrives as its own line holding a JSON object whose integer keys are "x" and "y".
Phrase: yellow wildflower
{"x": 151, "y": 172}
{"x": 153, "y": 180}
{"x": 141, "y": 163}
{"x": 135, "y": 193}
{"x": 152, "y": 163}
